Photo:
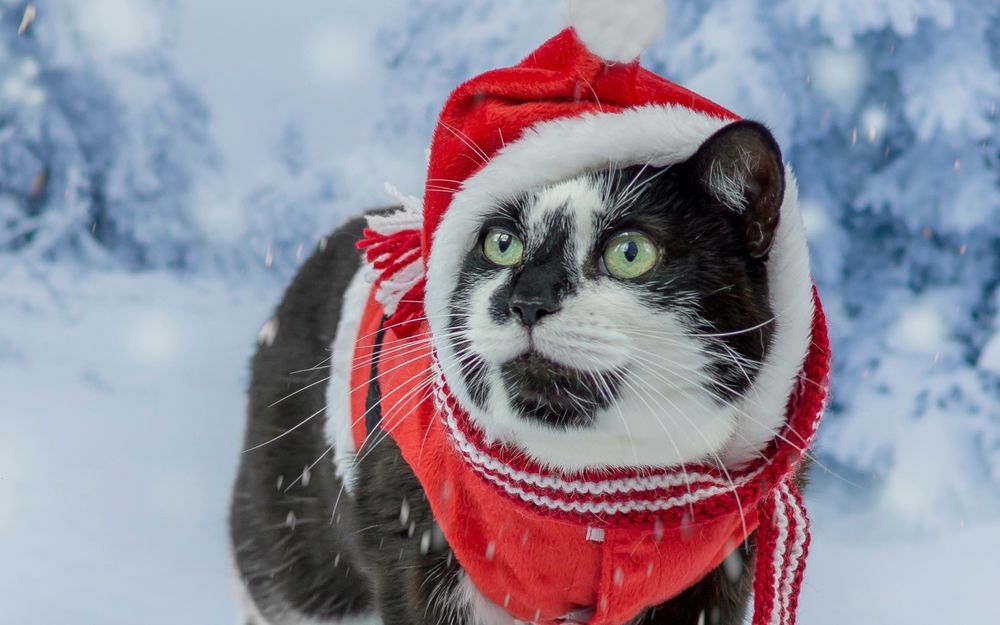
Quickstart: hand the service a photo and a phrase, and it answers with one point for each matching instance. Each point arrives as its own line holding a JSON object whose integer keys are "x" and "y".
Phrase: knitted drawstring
{"x": 782, "y": 546}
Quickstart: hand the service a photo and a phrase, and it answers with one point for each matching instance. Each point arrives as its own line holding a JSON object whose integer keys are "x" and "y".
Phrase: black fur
{"x": 705, "y": 266}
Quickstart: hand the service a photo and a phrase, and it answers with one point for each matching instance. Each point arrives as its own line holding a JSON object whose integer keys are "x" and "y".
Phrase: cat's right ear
{"x": 740, "y": 167}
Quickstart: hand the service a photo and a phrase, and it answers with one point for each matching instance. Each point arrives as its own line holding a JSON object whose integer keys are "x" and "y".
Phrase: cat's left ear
{"x": 740, "y": 167}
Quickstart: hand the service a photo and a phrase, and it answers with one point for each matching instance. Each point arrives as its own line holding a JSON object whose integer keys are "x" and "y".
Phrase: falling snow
{"x": 156, "y": 194}
{"x": 404, "y": 512}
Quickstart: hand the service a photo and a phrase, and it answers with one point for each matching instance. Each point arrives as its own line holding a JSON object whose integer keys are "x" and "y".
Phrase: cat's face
{"x": 616, "y": 317}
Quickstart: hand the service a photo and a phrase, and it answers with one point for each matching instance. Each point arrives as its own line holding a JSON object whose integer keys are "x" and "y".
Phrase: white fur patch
{"x": 496, "y": 343}
{"x": 555, "y": 151}
{"x": 583, "y": 199}
{"x": 474, "y": 606}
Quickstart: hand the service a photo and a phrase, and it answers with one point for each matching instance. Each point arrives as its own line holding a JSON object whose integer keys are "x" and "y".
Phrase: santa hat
{"x": 579, "y": 102}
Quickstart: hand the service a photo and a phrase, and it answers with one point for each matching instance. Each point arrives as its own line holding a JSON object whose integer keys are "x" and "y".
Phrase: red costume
{"x": 596, "y": 546}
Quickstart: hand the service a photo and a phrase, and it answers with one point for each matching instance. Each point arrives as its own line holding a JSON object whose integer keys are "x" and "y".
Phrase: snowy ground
{"x": 120, "y": 427}
{"x": 119, "y": 435}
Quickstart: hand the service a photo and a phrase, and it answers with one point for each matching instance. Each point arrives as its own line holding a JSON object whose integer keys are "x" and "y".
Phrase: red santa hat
{"x": 580, "y": 101}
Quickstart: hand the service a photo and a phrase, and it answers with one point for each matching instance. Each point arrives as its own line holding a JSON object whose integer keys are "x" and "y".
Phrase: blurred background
{"x": 166, "y": 164}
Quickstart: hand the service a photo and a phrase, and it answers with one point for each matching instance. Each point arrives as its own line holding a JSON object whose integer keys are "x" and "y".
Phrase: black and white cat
{"x": 622, "y": 317}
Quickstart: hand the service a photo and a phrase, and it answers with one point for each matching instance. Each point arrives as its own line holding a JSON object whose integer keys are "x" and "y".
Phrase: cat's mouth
{"x": 546, "y": 391}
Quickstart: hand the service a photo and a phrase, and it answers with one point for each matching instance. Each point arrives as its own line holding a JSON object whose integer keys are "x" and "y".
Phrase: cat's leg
{"x": 416, "y": 577}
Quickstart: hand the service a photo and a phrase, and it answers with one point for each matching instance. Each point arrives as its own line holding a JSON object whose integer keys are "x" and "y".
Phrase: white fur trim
{"x": 792, "y": 302}
{"x": 557, "y": 150}
{"x": 338, "y": 392}
{"x": 617, "y": 30}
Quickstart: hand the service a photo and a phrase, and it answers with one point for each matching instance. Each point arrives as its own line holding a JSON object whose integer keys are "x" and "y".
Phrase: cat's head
{"x": 624, "y": 316}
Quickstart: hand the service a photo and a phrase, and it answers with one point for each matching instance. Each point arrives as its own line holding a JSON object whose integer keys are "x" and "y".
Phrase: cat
{"x": 620, "y": 317}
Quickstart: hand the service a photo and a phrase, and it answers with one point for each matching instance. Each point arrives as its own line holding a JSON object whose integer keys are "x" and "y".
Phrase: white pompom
{"x": 617, "y": 30}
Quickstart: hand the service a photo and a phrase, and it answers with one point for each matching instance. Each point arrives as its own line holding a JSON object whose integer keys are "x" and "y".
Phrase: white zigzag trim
{"x": 781, "y": 521}
{"x": 615, "y": 507}
{"x": 795, "y": 557}
{"x": 489, "y": 466}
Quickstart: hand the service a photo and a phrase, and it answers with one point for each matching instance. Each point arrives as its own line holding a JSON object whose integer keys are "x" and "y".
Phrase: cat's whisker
{"x": 286, "y": 432}
{"x": 331, "y": 447}
{"x": 318, "y": 366}
{"x": 623, "y": 378}
{"x": 406, "y": 346}
{"x": 718, "y": 459}
{"x": 699, "y": 335}
{"x": 392, "y": 325}
{"x": 469, "y": 143}
{"x": 422, "y": 391}
{"x": 800, "y": 448}
{"x": 299, "y": 390}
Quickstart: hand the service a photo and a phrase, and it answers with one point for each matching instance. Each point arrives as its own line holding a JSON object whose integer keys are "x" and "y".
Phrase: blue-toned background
{"x": 166, "y": 164}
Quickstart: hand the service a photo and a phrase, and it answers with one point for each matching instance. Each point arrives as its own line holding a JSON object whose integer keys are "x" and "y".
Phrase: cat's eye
{"x": 503, "y": 248}
{"x": 629, "y": 255}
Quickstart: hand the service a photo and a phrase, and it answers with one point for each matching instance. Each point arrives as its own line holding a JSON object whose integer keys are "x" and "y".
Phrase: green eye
{"x": 629, "y": 255}
{"x": 503, "y": 248}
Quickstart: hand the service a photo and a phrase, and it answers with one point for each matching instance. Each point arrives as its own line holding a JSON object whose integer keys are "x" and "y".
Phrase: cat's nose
{"x": 531, "y": 311}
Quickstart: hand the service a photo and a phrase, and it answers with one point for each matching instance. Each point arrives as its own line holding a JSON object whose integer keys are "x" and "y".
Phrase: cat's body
{"x": 307, "y": 551}
{"x": 562, "y": 351}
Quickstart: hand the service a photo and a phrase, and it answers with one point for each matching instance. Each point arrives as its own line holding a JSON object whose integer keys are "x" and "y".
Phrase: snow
{"x": 863, "y": 573}
{"x": 166, "y": 164}
{"x": 119, "y": 436}
{"x": 119, "y": 27}
{"x": 845, "y": 19}
{"x": 920, "y": 328}
{"x": 874, "y": 120}
{"x": 302, "y": 62}
{"x": 839, "y": 74}
{"x": 989, "y": 358}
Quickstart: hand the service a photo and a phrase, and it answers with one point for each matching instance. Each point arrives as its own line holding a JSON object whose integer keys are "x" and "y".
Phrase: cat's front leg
{"x": 421, "y": 594}
{"x": 416, "y": 577}
{"x": 720, "y": 598}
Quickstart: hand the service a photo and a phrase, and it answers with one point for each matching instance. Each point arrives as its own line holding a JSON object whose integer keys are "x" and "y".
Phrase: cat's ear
{"x": 740, "y": 167}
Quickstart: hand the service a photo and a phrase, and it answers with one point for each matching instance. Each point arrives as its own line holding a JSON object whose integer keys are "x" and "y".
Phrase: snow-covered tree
{"x": 100, "y": 143}
{"x": 106, "y": 155}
